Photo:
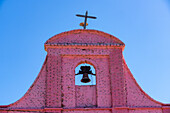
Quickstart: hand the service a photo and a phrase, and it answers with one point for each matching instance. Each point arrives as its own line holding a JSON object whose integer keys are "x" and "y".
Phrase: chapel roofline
{"x": 119, "y": 43}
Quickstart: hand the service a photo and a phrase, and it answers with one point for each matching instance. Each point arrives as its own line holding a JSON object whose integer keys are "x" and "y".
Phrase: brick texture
{"x": 89, "y": 111}
{"x": 146, "y": 111}
{"x": 86, "y": 96}
{"x": 54, "y": 90}
{"x": 117, "y": 78}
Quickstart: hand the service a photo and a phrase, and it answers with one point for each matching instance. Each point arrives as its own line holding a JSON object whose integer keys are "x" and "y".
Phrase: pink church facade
{"x": 55, "y": 91}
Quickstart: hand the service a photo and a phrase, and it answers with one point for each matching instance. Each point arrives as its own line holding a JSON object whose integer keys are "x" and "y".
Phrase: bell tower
{"x": 96, "y": 49}
{"x": 85, "y": 72}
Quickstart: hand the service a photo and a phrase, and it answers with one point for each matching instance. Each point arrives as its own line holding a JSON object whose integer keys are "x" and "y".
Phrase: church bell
{"x": 85, "y": 78}
{"x": 85, "y": 70}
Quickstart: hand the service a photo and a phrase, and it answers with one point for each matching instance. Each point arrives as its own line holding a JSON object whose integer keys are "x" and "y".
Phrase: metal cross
{"x": 86, "y": 16}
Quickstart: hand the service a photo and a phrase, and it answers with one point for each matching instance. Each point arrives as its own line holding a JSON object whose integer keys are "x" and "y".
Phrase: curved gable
{"x": 86, "y": 37}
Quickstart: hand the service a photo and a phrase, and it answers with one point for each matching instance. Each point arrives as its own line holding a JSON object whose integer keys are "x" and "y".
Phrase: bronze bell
{"x": 85, "y": 78}
{"x": 85, "y": 70}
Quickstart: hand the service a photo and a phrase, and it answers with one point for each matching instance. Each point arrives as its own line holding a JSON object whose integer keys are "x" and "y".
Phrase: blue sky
{"x": 143, "y": 25}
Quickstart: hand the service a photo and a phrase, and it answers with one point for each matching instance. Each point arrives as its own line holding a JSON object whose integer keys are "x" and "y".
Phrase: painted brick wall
{"x": 53, "y": 96}
{"x": 54, "y": 90}
{"x": 146, "y": 111}
{"x": 3, "y": 111}
{"x": 69, "y": 63}
{"x": 83, "y": 38}
{"x": 104, "y": 93}
{"x": 120, "y": 111}
{"x": 51, "y": 111}
{"x": 19, "y": 112}
{"x": 88, "y": 111}
{"x": 86, "y": 96}
{"x": 117, "y": 78}
{"x": 166, "y": 110}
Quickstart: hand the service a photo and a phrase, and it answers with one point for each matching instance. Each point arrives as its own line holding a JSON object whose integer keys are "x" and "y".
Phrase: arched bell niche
{"x": 85, "y": 74}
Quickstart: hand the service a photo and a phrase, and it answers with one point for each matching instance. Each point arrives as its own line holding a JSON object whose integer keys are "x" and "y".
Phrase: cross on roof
{"x": 86, "y": 16}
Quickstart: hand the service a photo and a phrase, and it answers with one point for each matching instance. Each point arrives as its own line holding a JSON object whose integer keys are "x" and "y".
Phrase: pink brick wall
{"x": 88, "y": 111}
{"x": 69, "y": 63}
{"x": 146, "y": 111}
{"x": 117, "y": 78}
{"x": 20, "y": 112}
{"x": 120, "y": 111}
{"x": 103, "y": 83}
{"x": 54, "y": 90}
{"x": 83, "y": 38}
{"x": 86, "y": 96}
{"x": 3, "y": 111}
{"x": 53, "y": 96}
{"x": 166, "y": 110}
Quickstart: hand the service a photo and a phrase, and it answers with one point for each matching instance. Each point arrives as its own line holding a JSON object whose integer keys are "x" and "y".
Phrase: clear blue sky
{"x": 143, "y": 25}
